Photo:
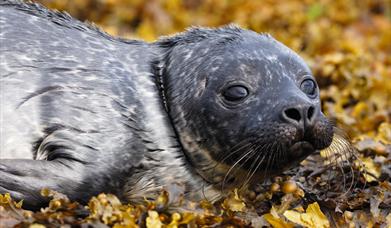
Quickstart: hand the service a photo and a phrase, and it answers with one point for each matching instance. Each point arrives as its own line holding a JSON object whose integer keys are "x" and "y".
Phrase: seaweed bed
{"x": 347, "y": 44}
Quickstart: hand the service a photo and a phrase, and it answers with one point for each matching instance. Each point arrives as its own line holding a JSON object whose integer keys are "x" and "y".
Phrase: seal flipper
{"x": 24, "y": 179}
{"x": 69, "y": 165}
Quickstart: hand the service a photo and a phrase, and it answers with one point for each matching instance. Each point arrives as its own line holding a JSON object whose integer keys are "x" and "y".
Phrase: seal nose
{"x": 301, "y": 116}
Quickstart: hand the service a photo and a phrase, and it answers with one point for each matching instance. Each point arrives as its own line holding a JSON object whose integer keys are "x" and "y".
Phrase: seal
{"x": 83, "y": 112}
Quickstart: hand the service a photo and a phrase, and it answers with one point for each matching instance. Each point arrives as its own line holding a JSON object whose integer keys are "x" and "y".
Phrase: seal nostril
{"x": 293, "y": 113}
{"x": 310, "y": 112}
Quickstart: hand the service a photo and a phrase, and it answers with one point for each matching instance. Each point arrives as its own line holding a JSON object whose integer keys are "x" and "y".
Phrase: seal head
{"x": 242, "y": 103}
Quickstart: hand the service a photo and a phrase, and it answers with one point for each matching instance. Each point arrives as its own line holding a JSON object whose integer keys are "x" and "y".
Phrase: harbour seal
{"x": 83, "y": 112}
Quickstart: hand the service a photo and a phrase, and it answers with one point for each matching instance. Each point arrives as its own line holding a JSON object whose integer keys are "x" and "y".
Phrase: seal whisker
{"x": 341, "y": 158}
{"x": 273, "y": 154}
{"x": 245, "y": 161}
{"x": 260, "y": 151}
{"x": 268, "y": 163}
{"x": 239, "y": 168}
{"x": 339, "y": 155}
{"x": 233, "y": 166}
{"x": 255, "y": 162}
{"x": 235, "y": 149}
{"x": 348, "y": 154}
{"x": 352, "y": 182}
{"x": 251, "y": 170}
{"x": 233, "y": 152}
{"x": 278, "y": 153}
{"x": 248, "y": 178}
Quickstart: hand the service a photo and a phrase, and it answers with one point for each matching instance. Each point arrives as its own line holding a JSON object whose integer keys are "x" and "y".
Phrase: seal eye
{"x": 308, "y": 86}
{"x": 235, "y": 93}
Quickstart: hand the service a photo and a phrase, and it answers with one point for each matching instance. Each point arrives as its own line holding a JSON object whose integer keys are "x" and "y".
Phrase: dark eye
{"x": 235, "y": 93}
{"x": 308, "y": 86}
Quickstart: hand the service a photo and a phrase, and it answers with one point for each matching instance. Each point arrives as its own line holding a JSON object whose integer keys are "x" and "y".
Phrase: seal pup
{"x": 83, "y": 112}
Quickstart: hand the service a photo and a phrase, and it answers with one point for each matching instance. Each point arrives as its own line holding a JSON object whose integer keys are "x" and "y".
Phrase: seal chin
{"x": 301, "y": 150}
{"x": 295, "y": 154}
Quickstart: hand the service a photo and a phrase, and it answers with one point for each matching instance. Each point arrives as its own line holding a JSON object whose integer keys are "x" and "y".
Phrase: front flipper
{"x": 24, "y": 180}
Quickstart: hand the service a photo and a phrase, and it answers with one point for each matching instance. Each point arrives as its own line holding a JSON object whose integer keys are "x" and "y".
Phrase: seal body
{"x": 74, "y": 99}
{"x": 83, "y": 112}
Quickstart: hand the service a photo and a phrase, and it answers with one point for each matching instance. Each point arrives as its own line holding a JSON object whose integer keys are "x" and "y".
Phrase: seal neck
{"x": 198, "y": 168}
{"x": 199, "y": 160}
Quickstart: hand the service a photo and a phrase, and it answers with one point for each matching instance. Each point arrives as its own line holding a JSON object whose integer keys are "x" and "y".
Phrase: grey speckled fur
{"x": 83, "y": 112}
